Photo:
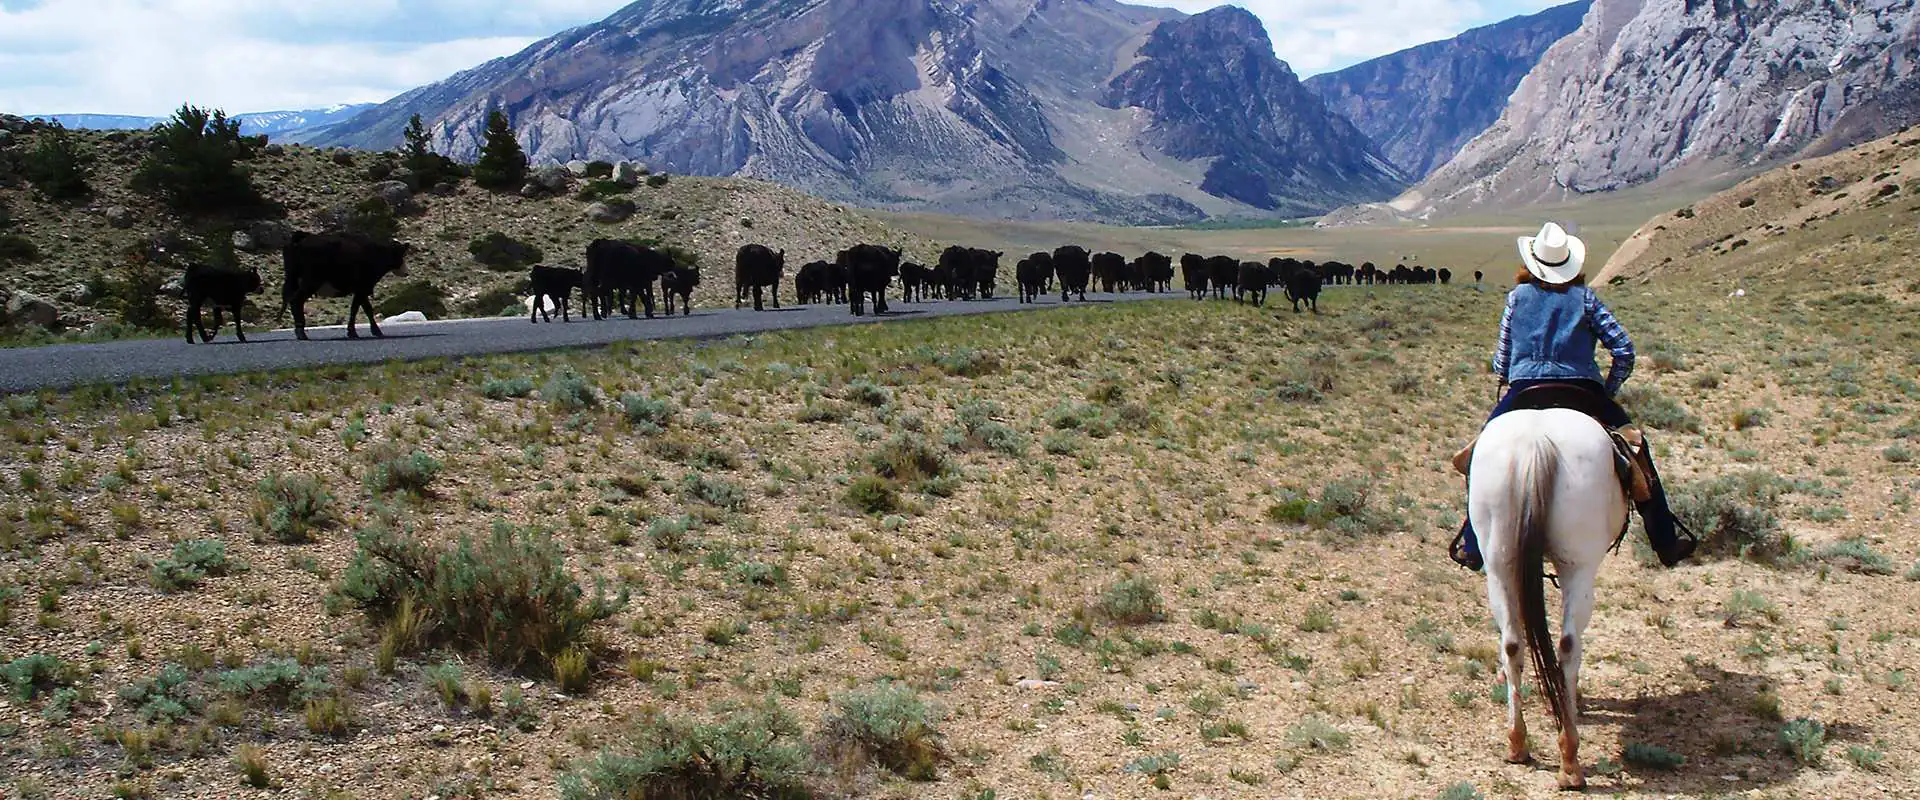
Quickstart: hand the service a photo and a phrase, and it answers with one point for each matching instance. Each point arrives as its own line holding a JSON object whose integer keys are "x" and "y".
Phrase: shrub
{"x": 1744, "y": 605}
{"x": 567, "y": 390}
{"x": 280, "y": 683}
{"x": 657, "y": 181}
{"x": 28, "y": 676}
{"x": 979, "y": 429}
{"x": 887, "y": 724}
{"x": 1855, "y": 555}
{"x": 1461, "y": 791}
{"x": 872, "y": 494}
{"x": 1805, "y": 740}
{"x": 412, "y": 473}
{"x": 1866, "y": 758}
{"x": 329, "y": 716}
{"x": 1897, "y": 454}
{"x": 1652, "y": 756}
{"x": 868, "y": 393}
{"x": 372, "y": 217}
{"x": 1652, "y": 409}
{"x": 499, "y": 300}
{"x": 713, "y": 491}
{"x": 908, "y": 458}
{"x": 502, "y": 164}
{"x": 507, "y": 595}
{"x": 570, "y": 670}
{"x": 134, "y": 290}
{"x": 196, "y": 167}
{"x": 18, "y": 249}
{"x": 1748, "y": 418}
{"x": 292, "y": 507}
{"x": 753, "y": 752}
{"x": 1315, "y": 733}
{"x": 59, "y": 164}
{"x": 599, "y": 169}
{"x": 191, "y": 561}
{"x": 670, "y": 534}
{"x": 251, "y": 763}
{"x": 447, "y": 680}
{"x": 502, "y": 253}
{"x": 505, "y": 388}
{"x": 417, "y": 295}
{"x": 1734, "y": 514}
{"x": 647, "y": 415}
{"x": 162, "y": 698}
{"x": 1133, "y": 600}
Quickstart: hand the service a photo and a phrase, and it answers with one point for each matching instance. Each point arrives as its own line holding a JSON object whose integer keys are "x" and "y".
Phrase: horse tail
{"x": 1536, "y": 482}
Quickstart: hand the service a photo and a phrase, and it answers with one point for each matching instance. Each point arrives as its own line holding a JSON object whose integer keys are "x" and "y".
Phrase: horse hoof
{"x": 1573, "y": 783}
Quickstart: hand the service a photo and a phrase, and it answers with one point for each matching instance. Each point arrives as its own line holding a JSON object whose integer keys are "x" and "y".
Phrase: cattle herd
{"x": 622, "y": 276}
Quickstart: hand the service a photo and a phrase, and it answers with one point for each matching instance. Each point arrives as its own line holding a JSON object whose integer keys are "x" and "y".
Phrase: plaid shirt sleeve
{"x": 1504, "y": 349}
{"x": 1610, "y": 333}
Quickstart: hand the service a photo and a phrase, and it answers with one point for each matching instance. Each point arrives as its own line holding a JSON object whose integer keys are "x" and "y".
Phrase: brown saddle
{"x": 1629, "y": 447}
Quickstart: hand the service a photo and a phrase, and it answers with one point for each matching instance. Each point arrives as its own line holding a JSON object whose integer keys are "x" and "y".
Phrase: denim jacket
{"x": 1547, "y": 335}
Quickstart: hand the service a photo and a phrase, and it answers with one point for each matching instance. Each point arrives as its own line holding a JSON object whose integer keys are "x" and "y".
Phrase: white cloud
{"x": 149, "y": 56}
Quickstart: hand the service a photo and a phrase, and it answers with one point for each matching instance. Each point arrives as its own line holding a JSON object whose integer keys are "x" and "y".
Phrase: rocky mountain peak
{"x": 996, "y": 107}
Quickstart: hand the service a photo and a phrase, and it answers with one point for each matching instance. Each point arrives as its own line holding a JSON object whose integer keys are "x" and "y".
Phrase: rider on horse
{"x": 1547, "y": 336}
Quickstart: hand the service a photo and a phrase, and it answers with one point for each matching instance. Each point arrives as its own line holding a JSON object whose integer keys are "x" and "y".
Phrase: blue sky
{"x": 148, "y": 56}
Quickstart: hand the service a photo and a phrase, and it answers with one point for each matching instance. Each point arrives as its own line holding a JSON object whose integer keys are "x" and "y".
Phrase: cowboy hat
{"x": 1553, "y": 256}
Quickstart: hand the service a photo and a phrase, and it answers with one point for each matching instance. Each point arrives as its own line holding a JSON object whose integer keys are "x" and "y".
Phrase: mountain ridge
{"x": 982, "y": 107}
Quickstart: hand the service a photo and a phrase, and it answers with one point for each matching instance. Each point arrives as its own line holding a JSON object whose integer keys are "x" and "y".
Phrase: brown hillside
{"x": 712, "y": 217}
{"x": 1844, "y": 220}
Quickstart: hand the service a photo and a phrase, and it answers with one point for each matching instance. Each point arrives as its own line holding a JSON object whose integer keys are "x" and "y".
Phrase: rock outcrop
{"x": 1687, "y": 89}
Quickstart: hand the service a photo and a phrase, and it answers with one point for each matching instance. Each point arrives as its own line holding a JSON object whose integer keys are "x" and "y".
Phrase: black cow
{"x": 1156, "y": 271}
{"x": 1304, "y": 285}
{"x": 219, "y": 288}
{"x": 680, "y": 281}
{"x": 1254, "y": 280}
{"x": 756, "y": 267}
{"x": 870, "y": 268}
{"x": 557, "y": 283}
{"x": 837, "y": 278}
{"x": 986, "y": 271}
{"x": 810, "y": 283}
{"x": 1478, "y": 276}
{"x": 1193, "y": 274}
{"x": 1446, "y": 276}
{"x": 913, "y": 282}
{"x": 337, "y": 265}
{"x": 1074, "y": 267}
{"x": 1109, "y": 269}
{"x": 1223, "y": 272}
{"x": 1033, "y": 272}
{"x": 620, "y": 272}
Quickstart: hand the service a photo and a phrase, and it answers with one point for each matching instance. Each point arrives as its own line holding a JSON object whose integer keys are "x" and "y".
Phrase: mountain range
{"x": 1688, "y": 90}
{"x": 285, "y": 126}
{"x": 1074, "y": 109}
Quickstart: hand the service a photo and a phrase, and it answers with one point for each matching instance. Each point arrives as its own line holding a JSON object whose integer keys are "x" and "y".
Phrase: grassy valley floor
{"x": 1165, "y": 549}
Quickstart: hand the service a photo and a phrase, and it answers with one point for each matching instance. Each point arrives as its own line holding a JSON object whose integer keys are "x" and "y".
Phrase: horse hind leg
{"x": 1513, "y": 660}
{"x": 1577, "y": 593}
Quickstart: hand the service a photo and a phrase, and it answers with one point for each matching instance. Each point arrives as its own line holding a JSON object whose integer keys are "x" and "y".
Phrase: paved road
{"x": 68, "y": 365}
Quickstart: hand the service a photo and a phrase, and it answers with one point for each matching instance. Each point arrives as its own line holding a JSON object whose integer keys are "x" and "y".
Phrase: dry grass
{"x": 1197, "y": 631}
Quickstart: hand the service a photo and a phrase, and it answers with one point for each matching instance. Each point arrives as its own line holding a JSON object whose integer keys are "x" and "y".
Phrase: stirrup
{"x": 1458, "y": 552}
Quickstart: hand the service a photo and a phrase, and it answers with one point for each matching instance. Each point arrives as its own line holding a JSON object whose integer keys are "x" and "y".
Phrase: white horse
{"x": 1543, "y": 486}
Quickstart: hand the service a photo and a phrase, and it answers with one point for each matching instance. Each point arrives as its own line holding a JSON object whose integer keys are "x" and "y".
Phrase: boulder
{"x": 6, "y": 137}
{"x": 608, "y": 213}
{"x": 13, "y": 124}
{"x": 396, "y": 193}
{"x": 275, "y": 150}
{"x": 552, "y": 178}
{"x": 577, "y": 168}
{"x": 270, "y": 235}
{"x": 530, "y": 190}
{"x": 27, "y": 308}
{"x": 174, "y": 287}
{"x": 628, "y": 173}
{"x": 119, "y": 217}
{"x": 443, "y": 190}
{"x": 404, "y": 319}
{"x": 343, "y": 157}
{"x": 77, "y": 294}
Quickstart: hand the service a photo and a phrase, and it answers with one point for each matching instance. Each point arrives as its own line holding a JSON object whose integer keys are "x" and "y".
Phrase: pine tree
{"x": 428, "y": 167}
{"x": 196, "y": 167}
{"x": 502, "y": 164}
